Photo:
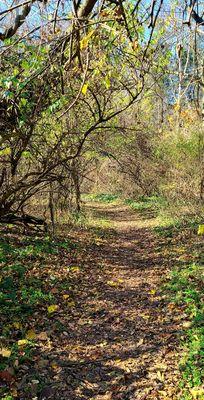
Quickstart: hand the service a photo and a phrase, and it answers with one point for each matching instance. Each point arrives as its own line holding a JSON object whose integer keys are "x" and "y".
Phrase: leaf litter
{"x": 94, "y": 325}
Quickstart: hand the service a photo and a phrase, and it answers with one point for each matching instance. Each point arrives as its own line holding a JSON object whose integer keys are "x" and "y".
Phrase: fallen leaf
{"x": 164, "y": 394}
{"x": 201, "y": 230}
{"x": 22, "y": 342}
{"x": 71, "y": 303}
{"x": 35, "y": 382}
{"x": 141, "y": 341}
{"x": 171, "y": 306}
{"x": 112, "y": 283}
{"x": 187, "y": 324}
{"x": 161, "y": 367}
{"x": 52, "y": 308}
{"x": 65, "y": 296}
{"x": 54, "y": 290}
{"x": 6, "y": 376}
{"x": 75, "y": 269}
{"x": 54, "y": 365}
{"x": 5, "y": 352}
{"x": 42, "y": 336}
{"x": 14, "y": 392}
{"x": 17, "y": 325}
{"x": 197, "y": 392}
{"x": 103, "y": 344}
{"x": 30, "y": 335}
{"x": 144, "y": 316}
{"x": 160, "y": 376}
{"x": 84, "y": 88}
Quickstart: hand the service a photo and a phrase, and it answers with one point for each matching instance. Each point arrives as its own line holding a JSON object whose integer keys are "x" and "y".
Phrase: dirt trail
{"x": 120, "y": 340}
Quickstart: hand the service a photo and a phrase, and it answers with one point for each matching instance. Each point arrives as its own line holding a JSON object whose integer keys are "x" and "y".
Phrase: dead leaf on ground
{"x": 4, "y": 352}
{"x": 42, "y": 336}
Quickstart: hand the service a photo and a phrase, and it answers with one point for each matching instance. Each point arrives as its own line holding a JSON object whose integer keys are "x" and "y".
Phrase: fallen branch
{"x": 24, "y": 219}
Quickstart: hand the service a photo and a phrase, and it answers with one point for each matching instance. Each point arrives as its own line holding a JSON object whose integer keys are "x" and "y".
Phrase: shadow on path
{"x": 119, "y": 341}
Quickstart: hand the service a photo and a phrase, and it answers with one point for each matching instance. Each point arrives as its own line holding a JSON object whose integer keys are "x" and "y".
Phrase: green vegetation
{"x": 152, "y": 203}
{"x": 186, "y": 288}
{"x": 101, "y": 141}
{"x": 106, "y": 198}
{"x": 102, "y": 197}
{"x": 22, "y": 289}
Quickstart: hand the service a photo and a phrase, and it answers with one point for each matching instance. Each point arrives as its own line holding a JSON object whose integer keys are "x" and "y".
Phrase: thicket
{"x": 102, "y": 100}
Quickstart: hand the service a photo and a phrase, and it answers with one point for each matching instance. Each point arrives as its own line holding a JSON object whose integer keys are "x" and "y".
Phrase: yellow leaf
{"x": 22, "y": 342}
{"x": 75, "y": 269}
{"x": 71, "y": 303}
{"x": 54, "y": 366}
{"x": 107, "y": 82}
{"x": 103, "y": 344}
{"x": 164, "y": 394}
{"x": 5, "y": 352}
{"x": 84, "y": 88}
{"x": 141, "y": 341}
{"x": 65, "y": 296}
{"x": 84, "y": 42}
{"x": 30, "y": 335}
{"x": 187, "y": 324}
{"x": 120, "y": 280}
{"x": 144, "y": 316}
{"x": 153, "y": 291}
{"x": 197, "y": 392}
{"x": 112, "y": 283}
{"x": 52, "y": 308}
{"x": 160, "y": 376}
{"x": 5, "y": 152}
{"x": 201, "y": 230}
{"x": 17, "y": 325}
{"x": 177, "y": 106}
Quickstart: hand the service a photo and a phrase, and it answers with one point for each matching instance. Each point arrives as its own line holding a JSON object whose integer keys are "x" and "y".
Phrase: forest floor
{"x": 89, "y": 319}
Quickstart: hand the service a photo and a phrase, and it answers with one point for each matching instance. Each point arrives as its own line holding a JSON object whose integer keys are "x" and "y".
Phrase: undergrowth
{"x": 102, "y": 197}
{"x": 26, "y": 284}
{"x": 151, "y": 203}
{"x": 186, "y": 288}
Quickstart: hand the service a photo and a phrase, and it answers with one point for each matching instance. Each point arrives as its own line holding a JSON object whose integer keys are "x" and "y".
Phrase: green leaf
{"x": 26, "y": 154}
{"x": 23, "y": 102}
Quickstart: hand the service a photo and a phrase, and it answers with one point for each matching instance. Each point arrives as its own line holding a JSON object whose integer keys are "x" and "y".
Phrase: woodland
{"x": 101, "y": 199}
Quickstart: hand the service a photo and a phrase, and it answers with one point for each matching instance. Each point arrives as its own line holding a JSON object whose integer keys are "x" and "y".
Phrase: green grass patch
{"x": 169, "y": 226}
{"x": 186, "y": 288}
{"x": 101, "y": 197}
{"x": 146, "y": 203}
